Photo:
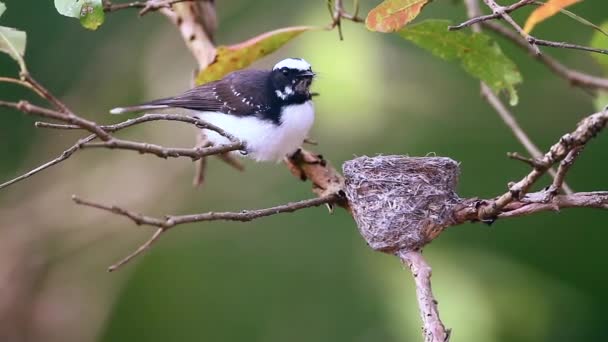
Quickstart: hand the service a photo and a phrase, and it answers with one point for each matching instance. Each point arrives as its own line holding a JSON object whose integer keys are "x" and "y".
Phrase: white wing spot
{"x": 280, "y": 94}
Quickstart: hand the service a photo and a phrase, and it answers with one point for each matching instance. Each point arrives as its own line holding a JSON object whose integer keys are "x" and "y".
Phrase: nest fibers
{"x": 400, "y": 202}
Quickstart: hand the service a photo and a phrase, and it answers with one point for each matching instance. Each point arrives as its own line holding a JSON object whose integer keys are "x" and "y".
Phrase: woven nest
{"x": 400, "y": 202}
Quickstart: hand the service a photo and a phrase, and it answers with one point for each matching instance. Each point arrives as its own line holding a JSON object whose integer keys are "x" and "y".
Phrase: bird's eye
{"x": 285, "y": 72}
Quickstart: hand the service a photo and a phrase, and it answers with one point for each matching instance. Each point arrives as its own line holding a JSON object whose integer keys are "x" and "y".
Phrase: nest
{"x": 400, "y": 202}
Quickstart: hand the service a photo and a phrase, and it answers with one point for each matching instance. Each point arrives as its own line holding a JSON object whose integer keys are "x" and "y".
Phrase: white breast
{"x": 265, "y": 140}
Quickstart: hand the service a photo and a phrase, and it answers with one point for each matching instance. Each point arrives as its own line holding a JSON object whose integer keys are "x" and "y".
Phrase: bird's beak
{"x": 306, "y": 73}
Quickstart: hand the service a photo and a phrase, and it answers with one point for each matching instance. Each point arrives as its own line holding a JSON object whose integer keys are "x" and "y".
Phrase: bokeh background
{"x": 306, "y": 276}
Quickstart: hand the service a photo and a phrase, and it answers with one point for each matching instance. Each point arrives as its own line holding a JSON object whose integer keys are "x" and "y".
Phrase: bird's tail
{"x": 138, "y": 108}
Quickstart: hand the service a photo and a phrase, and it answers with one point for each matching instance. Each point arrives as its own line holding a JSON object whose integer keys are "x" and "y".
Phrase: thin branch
{"x": 171, "y": 221}
{"x": 122, "y": 125}
{"x": 532, "y": 203}
{"x": 338, "y": 13}
{"x": 46, "y": 94}
{"x": 564, "y": 45}
{"x": 145, "y": 6}
{"x": 146, "y": 245}
{"x": 63, "y": 156}
{"x": 473, "y": 10}
{"x": 433, "y": 329}
{"x": 564, "y": 167}
{"x": 21, "y": 83}
{"x": 480, "y": 19}
{"x": 501, "y": 11}
{"x": 519, "y": 133}
{"x": 528, "y": 205}
{"x": 165, "y": 152}
{"x": 28, "y": 108}
{"x": 147, "y": 118}
{"x": 575, "y": 78}
{"x": 587, "y": 129}
{"x": 516, "y": 156}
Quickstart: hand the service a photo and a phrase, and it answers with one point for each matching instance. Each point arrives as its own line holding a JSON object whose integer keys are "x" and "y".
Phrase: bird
{"x": 270, "y": 111}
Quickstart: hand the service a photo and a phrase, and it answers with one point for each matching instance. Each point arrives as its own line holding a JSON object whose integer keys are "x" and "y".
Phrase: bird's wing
{"x": 241, "y": 93}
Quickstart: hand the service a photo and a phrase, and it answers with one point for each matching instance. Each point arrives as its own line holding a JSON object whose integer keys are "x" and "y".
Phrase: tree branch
{"x": 501, "y": 12}
{"x": 141, "y": 147}
{"x": 519, "y": 133}
{"x": 170, "y": 221}
{"x": 165, "y": 152}
{"x": 575, "y": 77}
{"x": 587, "y": 129}
{"x": 28, "y": 108}
{"x": 144, "y": 6}
{"x": 483, "y": 18}
{"x": 433, "y": 329}
{"x": 338, "y": 13}
{"x": 63, "y": 156}
{"x": 532, "y": 203}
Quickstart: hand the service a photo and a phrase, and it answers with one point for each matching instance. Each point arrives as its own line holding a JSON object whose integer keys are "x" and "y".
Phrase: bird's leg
{"x": 200, "y": 164}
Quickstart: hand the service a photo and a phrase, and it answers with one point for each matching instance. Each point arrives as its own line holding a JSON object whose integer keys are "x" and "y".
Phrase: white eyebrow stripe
{"x": 293, "y": 63}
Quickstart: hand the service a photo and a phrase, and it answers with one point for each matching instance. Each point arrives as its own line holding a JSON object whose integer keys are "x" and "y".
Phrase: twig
{"x": 564, "y": 45}
{"x": 501, "y": 11}
{"x": 138, "y": 251}
{"x": 338, "y": 13}
{"x": 479, "y": 19}
{"x": 171, "y": 221}
{"x": 564, "y": 167}
{"x": 46, "y": 94}
{"x": 28, "y": 108}
{"x": 473, "y": 11}
{"x": 575, "y": 78}
{"x": 530, "y": 161}
{"x": 113, "y": 128}
{"x": 433, "y": 329}
{"x": 145, "y": 6}
{"x": 586, "y": 130}
{"x": 147, "y": 118}
{"x": 63, "y": 156}
{"x": 519, "y": 133}
{"x": 532, "y": 203}
{"x": 597, "y": 199}
{"x": 165, "y": 152}
{"x": 21, "y": 83}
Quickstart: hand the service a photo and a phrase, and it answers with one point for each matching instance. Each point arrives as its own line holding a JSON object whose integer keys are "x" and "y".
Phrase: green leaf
{"x": 89, "y": 12}
{"x": 238, "y": 56}
{"x": 94, "y": 16}
{"x": 479, "y": 55}
{"x": 600, "y": 41}
{"x": 392, "y": 15}
{"x": 12, "y": 41}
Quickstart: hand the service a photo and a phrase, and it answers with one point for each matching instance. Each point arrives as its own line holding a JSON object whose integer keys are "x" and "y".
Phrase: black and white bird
{"x": 270, "y": 111}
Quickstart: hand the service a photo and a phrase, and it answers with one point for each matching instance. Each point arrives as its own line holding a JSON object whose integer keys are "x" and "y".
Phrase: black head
{"x": 291, "y": 79}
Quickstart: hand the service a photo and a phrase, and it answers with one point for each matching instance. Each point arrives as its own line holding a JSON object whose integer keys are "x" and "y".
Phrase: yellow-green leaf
{"x": 393, "y": 15}
{"x": 546, "y": 11}
{"x": 89, "y": 12}
{"x": 234, "y": 57}
{"x": 478, "y": 54}
{"x": 600, "y": 41}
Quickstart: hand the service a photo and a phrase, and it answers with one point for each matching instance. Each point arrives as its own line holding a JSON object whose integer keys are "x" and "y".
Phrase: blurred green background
{"x": 306, "y": 276}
